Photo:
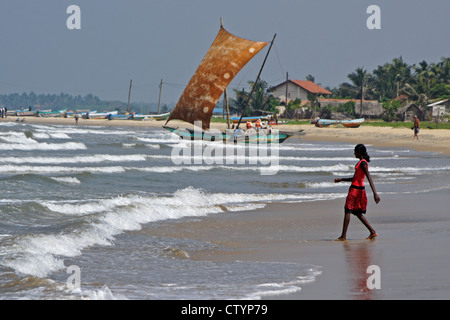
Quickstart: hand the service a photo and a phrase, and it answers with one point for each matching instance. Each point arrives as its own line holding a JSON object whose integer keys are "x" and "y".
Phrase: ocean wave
{"x": 69, "y": 180}
{"x": 12, "y": 169}
{"x": 95, "y": 158}
{"x": 103, "y": 219}
{"x": 20, "y": 141}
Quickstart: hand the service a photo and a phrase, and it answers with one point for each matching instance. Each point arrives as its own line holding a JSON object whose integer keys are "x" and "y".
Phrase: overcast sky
{"x": 149, "y": 40}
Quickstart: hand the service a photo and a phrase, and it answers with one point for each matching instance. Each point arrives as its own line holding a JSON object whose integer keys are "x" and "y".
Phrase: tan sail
{"x": 227, "y": 55}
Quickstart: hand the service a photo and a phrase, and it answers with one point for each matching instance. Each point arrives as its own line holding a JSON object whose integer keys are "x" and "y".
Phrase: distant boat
{"x": 52, "y": 114}
{"x": 120, "y": 116}
{"x": 355, "y": 123}
{"x": 102, "y": 115}
{"x": 23, "y": 113}
{"x": 227, "y": 55}
{"x": 157, "y": 117}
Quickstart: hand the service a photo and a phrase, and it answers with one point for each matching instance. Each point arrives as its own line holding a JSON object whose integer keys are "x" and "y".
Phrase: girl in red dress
{"x": 356, "y": 202}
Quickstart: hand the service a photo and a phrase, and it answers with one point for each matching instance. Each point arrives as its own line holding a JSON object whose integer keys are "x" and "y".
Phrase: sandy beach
{"x": 411, "y": 252}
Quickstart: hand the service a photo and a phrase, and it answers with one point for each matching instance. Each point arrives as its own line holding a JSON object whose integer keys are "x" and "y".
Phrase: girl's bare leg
{"x": 345, "y": 227}
{"x": 363, "y": 219}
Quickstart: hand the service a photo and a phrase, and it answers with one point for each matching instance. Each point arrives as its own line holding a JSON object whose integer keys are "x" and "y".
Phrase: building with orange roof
{"x": 298, "y": 89}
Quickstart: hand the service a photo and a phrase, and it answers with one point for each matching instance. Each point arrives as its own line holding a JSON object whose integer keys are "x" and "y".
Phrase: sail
{"x": 227, "y": 55}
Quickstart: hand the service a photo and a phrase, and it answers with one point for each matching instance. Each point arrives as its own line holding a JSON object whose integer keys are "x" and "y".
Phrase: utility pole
{"x": 287, "y": 87}
{"x": 159, "y": 100}
{"x": 129, "y": 95}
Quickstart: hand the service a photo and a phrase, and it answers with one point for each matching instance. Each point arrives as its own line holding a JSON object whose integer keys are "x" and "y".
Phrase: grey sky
{"x": 147, "y": 41}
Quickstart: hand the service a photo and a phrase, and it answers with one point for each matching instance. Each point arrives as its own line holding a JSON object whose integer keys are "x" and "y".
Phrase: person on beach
{"x": 356, "y": 201}
{"x": 416, "y": 128}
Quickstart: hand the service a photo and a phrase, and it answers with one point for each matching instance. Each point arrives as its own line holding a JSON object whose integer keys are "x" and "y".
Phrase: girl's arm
{"x": 342, "y": 179}
{"x": 366, "y": 171}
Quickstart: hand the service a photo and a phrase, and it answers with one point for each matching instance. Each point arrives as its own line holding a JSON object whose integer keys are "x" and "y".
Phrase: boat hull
{"x": 321, "y": 123}
{"x": 189, "y": 134}
{"x": 248, "y": 119}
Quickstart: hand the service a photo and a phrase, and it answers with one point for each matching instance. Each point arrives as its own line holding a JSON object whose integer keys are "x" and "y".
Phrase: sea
{"x": 76, "y": 202}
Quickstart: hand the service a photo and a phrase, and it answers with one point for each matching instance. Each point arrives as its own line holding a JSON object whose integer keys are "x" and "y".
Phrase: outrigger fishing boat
{"x": 157, "y": 117}
{"x": 227, "y": 55}
{"x": 355, "y": 123}
{"x": 249, "y": 119}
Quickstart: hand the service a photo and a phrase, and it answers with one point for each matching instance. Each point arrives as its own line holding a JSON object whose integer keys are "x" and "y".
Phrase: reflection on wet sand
{"x": 359, "y": 257}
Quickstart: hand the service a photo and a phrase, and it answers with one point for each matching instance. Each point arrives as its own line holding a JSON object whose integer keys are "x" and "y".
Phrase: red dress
{"x": 356, "y": 201}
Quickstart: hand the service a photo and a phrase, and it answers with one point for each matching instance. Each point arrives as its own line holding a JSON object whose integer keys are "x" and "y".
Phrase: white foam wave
{"x": 410, "y": 170}
{"x": 95, "y": 158}
{"x": 41, "y": 255}
{"x": 44, "y": 146}
{"x": 68, "y": 180}
{"x": 321, "y": 185}
{"x": 11, "y": 169}
{"x": 50, "y": 135}
{"x": 156, "y": 140}
{"x": 20, "y": 141}
{"x": 257, "y": 168}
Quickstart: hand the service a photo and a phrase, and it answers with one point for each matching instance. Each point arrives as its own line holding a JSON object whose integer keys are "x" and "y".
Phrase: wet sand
{"x": 411, "y": 251}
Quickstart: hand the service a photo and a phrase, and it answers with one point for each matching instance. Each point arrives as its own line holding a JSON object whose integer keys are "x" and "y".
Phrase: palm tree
{"x": 260, "y": 99}
{"x": 421, "y": 88}
{"x": 391, "y": 78}
{"x": 361, "y": 79}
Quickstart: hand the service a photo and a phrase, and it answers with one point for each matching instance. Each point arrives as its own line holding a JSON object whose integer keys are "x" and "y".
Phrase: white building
{"x": 298, "y": 89}
{"x": 439, "y": 108}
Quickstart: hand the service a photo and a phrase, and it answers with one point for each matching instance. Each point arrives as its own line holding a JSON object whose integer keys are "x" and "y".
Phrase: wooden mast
{"x": 254, "y": 85}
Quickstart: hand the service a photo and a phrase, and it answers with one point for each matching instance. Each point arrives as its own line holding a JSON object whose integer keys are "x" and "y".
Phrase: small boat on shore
{"x": 23, "y": 113}
{"x": 102, "y": 115}
{"x": 322, "y": 123}
{"x": 157, "y": 117}
{"x": 52, "y": 114}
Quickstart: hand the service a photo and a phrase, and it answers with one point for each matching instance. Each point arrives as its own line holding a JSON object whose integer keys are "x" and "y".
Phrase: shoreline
{"x": 432, "y": 140}
{"x": 304, "y": 233}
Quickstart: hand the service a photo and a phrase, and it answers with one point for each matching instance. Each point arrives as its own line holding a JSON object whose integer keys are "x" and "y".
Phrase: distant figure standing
{"x": 416, "y": 128}
{"x": 258, "y": 124}
{"x": 76, "y": 118}
{"x": 356, "y": 201}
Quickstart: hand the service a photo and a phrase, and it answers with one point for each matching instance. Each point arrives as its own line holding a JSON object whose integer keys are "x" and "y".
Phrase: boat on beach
{"x": 157, "y": 117}
{"x": 227, "y": 55}
{"x": 52, "y": 114}
{"x": 355, "y": 123}
{"x": 23, "y": 113}
{"x": 102, "y": 115}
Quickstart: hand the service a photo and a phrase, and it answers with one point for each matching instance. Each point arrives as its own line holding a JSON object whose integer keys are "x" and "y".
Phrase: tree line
{"x": 421, "y": 83}
{"x": 67, "y": 101}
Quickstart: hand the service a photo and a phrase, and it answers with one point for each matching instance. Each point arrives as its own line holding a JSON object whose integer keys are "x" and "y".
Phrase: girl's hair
{"x": 363, "y": 151}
